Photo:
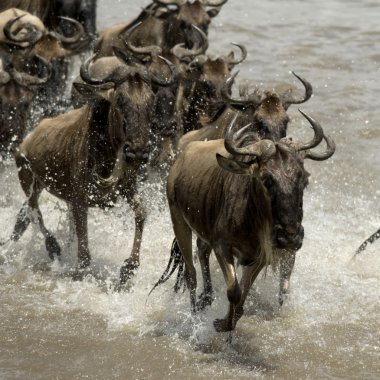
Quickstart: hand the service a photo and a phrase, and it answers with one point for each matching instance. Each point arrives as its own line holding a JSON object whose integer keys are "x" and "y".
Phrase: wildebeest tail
{"x": 370, "y": 240}
{"x": 175, "y": 261}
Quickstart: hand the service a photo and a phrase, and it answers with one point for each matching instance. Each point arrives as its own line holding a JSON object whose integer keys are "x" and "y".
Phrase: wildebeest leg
{"x": 32, "y": 189}
{"x": 133, "y": 262}
{"x": 51, "y": 243}
{"x": 204, "y": 251}
{"x": 22, "y": 222}
{"x": 286, "y": 267}
{"x": 227, "y": 264}
{"x": 249, "y": 275}
{"x": 79, "y": 213}
{"x": 183, "y": 235}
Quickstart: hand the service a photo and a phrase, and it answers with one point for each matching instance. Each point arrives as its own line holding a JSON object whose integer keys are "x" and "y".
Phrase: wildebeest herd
{"x": 149, "y": 95}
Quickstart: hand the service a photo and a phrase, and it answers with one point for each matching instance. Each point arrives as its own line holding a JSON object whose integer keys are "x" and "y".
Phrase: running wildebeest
{"x": 266, "y": 112}
{"x": 89, "y": 156}
{"x": 243, "y": 199}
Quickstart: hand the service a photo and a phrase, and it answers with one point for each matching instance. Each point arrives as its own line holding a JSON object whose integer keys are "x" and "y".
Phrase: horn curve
{"x": 243, "y": 55}
{"x": 263, "y": 149}
{"x": 75, "y": 38}
{"x": 288, "y": 99}
{"x": 181, "y": 52}
{"x": 85, "y": 73}
{"x": 151, "y": 49}
{"x": 31, "y": 38}
{"x": 318, "y": 134}
{"x": 177, "y": 3}
{"x": 330, "y": 150}
{"x": 214, "y": 3}
{"x": 172, "y": 78}
{"x": 239, "y": 104}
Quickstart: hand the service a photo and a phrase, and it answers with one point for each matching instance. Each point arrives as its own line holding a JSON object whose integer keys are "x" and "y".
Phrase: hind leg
{"x": 30, "y": 209}
{"x": 183, "y": 235}
{"x": 206, "y": 297}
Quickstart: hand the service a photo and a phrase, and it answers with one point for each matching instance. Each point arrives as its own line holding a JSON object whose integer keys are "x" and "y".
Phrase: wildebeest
{"x": 24, "y": 31}
{"x": 243, "y": 199}
{"x": 19, "y": 82}
{"x": 89, "y": 156}
{"x": 158, "y": 25}
{"x": 265, "y": 111}
{"x": 201, "y": 101}
{"x": 48, "y": 11}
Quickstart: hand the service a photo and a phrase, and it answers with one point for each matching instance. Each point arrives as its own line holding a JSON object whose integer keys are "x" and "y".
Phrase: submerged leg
{"x": 22, "y": 222}
{"x": 204, "y": 251}
{"x": 286, "y": 267}
{"x": 79, "y": 213}
{"x": 183, "y": 235}
{"x": 133, "y": 262}
{"x": 227, "y": 264}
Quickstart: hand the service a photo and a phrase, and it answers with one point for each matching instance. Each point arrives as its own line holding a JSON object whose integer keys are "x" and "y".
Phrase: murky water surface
{"x": 54, "y": 328}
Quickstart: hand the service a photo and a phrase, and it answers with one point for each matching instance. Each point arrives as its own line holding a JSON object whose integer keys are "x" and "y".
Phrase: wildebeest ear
{"x": 213, "y": 12}
{"x": 92, "y": 92}
{"x": 233, "y": 166}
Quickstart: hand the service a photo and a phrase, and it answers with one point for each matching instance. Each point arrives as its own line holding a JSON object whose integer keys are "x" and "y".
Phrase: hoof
{"x": 127, "y": 271}
{"x": 221, "y": 325}
{"x": 52, "y": 247}
{"x": 204, "y": 301}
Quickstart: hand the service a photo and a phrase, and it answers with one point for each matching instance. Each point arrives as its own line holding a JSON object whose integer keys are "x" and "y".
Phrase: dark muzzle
{"x": 136, "y": 154}
{"x": 288, "y": 237}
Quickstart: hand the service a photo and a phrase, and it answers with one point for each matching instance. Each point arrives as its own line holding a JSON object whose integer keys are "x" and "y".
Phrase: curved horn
{"x": 214, "y": 3}
{"x": 171, "y": 79}
{"x": 253, "y": 101}
{"x": 288, "y": 99}
{"x": 330, "y": 149}
{"x": 261, "y": 149}
{"x": 75, "y": 38}
{"x": 32, "y": 37}
{"x": 85, "y": 73}
{"x": 243, "y": 55}
{"x": 24, "y": 79}
{"x": 177, "y": 3}
{"x": 151, "y": 50}
{"x": 318, "y": 134}
{"x": 127, "y": 58}
{"x": 181, "y": 52}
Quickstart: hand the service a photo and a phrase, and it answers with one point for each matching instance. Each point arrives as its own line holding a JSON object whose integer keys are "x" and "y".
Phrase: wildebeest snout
{"x": 288, "y": 236}
{"x": 136, "y": 153}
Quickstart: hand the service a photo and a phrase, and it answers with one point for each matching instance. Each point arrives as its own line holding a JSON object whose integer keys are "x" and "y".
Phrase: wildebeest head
{"x": 279, "y": 168}
{"x": 19, "y": 82}
{"x": 266, "y": 110}
{"x": 128, "y": 91}
{"x": 195, "y": 12}
{"x": 22, "y": 31}
{"x": 204, "y": 81}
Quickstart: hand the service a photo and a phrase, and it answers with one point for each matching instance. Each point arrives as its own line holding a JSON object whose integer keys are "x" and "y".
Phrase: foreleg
{"x": 204, "y": 252}
{"x": 133, "y": 262}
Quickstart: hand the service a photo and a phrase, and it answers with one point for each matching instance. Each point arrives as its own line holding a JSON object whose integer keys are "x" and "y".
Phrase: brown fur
{"x": 231, "y": 213}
